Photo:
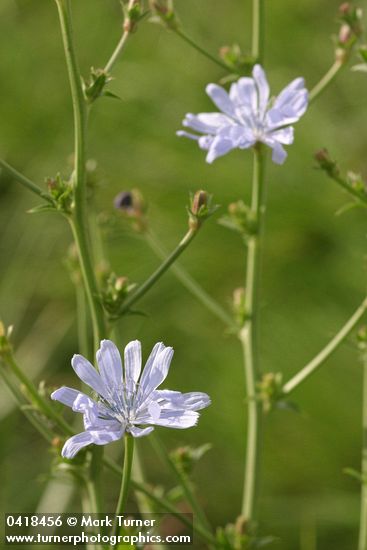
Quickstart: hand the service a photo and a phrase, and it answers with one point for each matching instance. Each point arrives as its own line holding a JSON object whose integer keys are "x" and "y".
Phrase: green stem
{"x": 258, "y": 12}
{"x": 117, "y": 52}
{"x": 191, "y": 285}
{"x": 327, "y": 351}
{"x": 201, "y": 50}
{"x": 126, "y": 478}
{"x": 248, "y": 338}
{"x": 362, "y": 542}
{"x": 182, "y": 480}
{"x": 79, "y": 219}
{"x": 326, "y": 80}
{"x": 360, "y": 195}
{"x": 82, "y": 321}
{"x": 23, "y": 180}
{"x": 163, "y": 504}
{"x": 159, "y": 272}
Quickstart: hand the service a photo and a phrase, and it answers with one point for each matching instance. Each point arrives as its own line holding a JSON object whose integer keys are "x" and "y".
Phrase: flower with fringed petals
{"x": 127, "y": 401}
{"x": 248, "y": 117}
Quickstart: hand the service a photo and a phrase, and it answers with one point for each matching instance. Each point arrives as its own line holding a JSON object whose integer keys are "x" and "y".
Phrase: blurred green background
{"x": 313, "y": 269}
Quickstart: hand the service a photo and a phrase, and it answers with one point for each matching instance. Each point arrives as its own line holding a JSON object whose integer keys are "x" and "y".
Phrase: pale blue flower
{"x": 124, "y": 402}
{"x": 248, "y": 116}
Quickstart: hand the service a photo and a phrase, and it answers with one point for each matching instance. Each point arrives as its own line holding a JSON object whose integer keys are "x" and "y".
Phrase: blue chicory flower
{"x": 124, "y": 402}
{"x": 248, "y": 117}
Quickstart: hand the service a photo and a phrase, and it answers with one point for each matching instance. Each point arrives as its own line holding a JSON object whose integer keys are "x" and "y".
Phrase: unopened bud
{"x": 326, "y": 163}
{"x": 199, "y": 201}
{"x": 345, "y": 35}
{"x": 345, "y": 8}
{"x": 200, "y": 209}
{"x": 121, "y": 283}
{"x": 164, "y": 13}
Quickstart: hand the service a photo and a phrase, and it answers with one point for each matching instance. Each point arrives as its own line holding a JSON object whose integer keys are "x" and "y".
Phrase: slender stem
{"x": 362, "y": 543}
{"x": 183, "y": 481}
{"x": 159, "y": 272}
{"x": 121, "y": 44}
{"x": 327, "y": 351}
{"x": 191, "y": 285}
{"x": 360, "y": 195}
{"x": 201, "y": 50}
{"x": 126, "y": 477}
{"x": 23, "y": 180}
{"x": 163, "y": 503}
{"x": 79, "y": 219}
{"x": 82, "y": 320}
{"x": 258, "y": 12}
{"x": 116, "y": 54}
{"x": 326, "y": 80}
{"x": 248, "y": 338}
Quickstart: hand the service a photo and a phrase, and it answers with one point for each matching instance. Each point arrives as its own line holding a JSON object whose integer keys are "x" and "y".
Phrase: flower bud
{"x": 114, "y": 292}
{"x": 199, "y": 202}
{"x": 95, "y": 87}
{"x": 270, "y": 390}
{"x": 345, "y": 34}
{"x": 132, "y": 17}
{"x": 164, "y": 13}
{"x": 186, "y": 457}
{"x": 200, "y": 209}
{"x": 344, "y": 9}
{"x": 326, "y": 163}
{"x": 62, "y": 193}
{"x": 239, "y": 61}
{"x": 240, "y": 219}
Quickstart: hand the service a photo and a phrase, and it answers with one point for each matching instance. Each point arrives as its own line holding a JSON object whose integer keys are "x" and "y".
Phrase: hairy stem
{"x": 191, "y": 285}
{"x": 362, "y": 541}
{"x": 327, "y": 351}
{"x": 248, "y": 338}
{"x": 135, "y": 296}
